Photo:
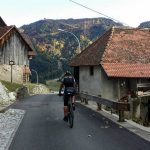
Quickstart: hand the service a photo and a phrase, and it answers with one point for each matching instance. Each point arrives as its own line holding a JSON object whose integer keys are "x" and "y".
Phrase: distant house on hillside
{"x": 116, "y": 65}
{"x": 16, "y": 48}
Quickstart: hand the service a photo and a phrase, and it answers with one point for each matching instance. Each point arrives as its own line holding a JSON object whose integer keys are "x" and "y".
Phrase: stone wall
{"x": 6, "y": 97}
{"x": 17, "y": 73}
{"x": 40, "y": 89}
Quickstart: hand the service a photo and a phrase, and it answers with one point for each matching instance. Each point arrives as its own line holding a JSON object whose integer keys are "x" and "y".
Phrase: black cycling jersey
{"x": 68, "y": 81}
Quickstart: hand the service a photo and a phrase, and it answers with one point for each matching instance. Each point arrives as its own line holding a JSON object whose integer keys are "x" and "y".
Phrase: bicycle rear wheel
{"x": 71, "y": 113}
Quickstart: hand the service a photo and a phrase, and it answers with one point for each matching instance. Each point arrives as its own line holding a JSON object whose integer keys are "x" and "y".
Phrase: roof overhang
{"x": 120, "y": 70}
{"x": 10, "y": 29}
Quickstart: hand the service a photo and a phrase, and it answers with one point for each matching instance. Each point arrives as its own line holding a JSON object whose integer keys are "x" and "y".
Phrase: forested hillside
{"x": 55, "y": 48}
{"x": 145, "y": 24}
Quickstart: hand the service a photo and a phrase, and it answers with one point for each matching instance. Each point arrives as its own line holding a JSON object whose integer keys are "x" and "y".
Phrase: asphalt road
{"x": 43, "y": 129}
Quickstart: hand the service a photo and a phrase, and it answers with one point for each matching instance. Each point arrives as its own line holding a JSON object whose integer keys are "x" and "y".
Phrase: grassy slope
{"x": 11, "y": 86}
{"x": 53, "y": 85}
{"x": 31, "y": 86}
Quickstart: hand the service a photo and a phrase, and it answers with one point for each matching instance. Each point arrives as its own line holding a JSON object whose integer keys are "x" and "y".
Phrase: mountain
{"x": 55, "y": 48}
{"x": 145, "y": 24}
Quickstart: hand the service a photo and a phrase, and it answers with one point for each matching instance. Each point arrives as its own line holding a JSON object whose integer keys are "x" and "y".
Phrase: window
{"x": 91, "y": 70}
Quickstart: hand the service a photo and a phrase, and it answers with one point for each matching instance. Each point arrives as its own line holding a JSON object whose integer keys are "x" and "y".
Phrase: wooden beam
{"x": 113, "y": 104}
{"x": 142, "y": 85}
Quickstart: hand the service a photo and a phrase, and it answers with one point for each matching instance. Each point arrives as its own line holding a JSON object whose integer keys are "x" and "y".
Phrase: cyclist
{"x": 68, "y": 83}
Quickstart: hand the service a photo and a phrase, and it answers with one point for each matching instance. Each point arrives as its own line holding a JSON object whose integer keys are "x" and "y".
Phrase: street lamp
{"x": 74, "y": 36}
{"x": 11, "y": 63}
{"x": 37, "y": 78}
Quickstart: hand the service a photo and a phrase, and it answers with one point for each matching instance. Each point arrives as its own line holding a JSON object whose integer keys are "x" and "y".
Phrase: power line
{"x": 99, "y": 13}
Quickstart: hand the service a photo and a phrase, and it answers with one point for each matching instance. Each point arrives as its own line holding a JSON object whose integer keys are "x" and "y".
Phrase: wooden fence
{"x": 119, "y": 106}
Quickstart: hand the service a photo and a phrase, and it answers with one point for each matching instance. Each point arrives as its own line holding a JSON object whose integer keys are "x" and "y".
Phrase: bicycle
{"x": 70, "y": 116}
{"x": 70, "y": 111}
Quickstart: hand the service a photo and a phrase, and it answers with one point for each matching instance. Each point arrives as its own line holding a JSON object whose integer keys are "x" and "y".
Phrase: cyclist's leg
{"x": 65, "y": 108}
{"x": 71, "y": 114}
{"x": 73, "y": 101}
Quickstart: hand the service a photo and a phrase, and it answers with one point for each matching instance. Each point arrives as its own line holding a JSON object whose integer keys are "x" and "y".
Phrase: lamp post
{"x": 37, "y": 77}
{"x": 74, "y": 36}
{"x": 11, "y": 63}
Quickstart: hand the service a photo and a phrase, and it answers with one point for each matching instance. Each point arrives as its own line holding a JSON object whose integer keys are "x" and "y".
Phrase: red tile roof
{"x": 127, "y": 70}
{"x": 128, "y": 46}
{"x": 92, "y": 55}
{"x": 119, "y": 48}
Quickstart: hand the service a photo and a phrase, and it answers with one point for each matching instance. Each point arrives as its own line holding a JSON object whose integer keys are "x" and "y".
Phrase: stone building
{"x": 16, "y": 50}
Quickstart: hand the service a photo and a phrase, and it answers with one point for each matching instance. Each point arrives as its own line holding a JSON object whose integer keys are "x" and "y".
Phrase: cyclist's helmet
{"x": 68, "y": 73}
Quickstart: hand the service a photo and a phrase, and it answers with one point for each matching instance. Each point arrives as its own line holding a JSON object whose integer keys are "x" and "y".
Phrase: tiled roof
{"x": 4, "y": 31}
{"x": 127, "y": 70}
{"x": 2, "y": 23}
{"x": 7, "y": 29}
{"x": 28, "y": 40}
{"x": 129, "y": 45}
{"x": 92, "y": 55}
{"x": 120, "y": 51}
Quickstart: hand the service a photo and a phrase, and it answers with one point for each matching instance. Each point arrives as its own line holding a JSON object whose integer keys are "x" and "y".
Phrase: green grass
{"x": 11, "y": 86}
{"x": 53, "y": 85}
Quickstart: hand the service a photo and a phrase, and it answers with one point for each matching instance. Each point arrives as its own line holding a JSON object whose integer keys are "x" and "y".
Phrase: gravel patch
{"x": 9, "y": 123}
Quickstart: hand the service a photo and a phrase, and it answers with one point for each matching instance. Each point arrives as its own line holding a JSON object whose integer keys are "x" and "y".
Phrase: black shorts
{"x": 66, "y": 97}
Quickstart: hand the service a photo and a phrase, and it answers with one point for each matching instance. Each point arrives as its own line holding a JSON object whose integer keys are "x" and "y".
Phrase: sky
{"x": 21, "y": 12}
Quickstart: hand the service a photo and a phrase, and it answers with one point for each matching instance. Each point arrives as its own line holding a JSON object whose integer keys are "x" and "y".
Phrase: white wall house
{"x": 116, "y": 65}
